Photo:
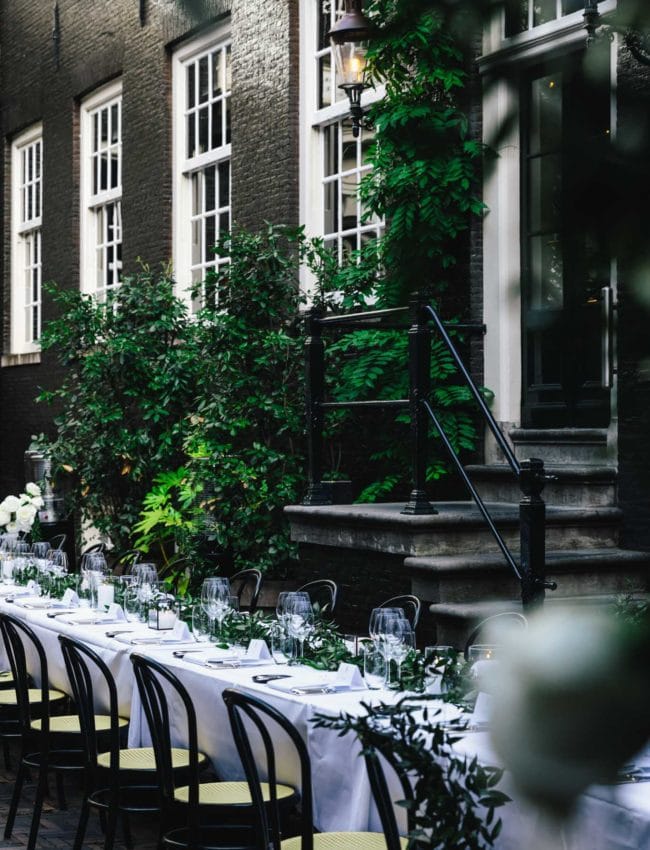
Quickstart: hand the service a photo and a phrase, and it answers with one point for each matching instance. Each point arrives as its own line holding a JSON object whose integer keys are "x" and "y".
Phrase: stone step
{"x": 457, "y": 527}
{"x": 585, "y": 485}
{"x": 562, "y": 445}
{"x": 468, "y": 578}
{"x": 455, "y": 621}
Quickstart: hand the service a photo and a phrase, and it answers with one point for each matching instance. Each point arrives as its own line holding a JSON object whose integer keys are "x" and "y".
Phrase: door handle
{"x": 607, "y": 323}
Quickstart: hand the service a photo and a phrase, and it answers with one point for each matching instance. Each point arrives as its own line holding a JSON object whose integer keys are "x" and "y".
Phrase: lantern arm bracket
{"x": 638, "y": 43}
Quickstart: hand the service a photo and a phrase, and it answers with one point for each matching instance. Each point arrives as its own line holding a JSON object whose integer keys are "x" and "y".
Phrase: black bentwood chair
{"x": 323, "y": 593}
{"x": 118, "y": 780}
{"x": 48, "y": 743}
{"x": 490, "y": 628}
{"x": 410, "y": 604}
{"x": 248, "y": 712}
{"x": 246, "y": 586}
{"x": 214, "y": 814}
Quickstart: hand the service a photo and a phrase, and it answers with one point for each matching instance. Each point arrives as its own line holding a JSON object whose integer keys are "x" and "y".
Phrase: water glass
{"x": 200, "y": 624}
{"x": 283, "y": 646}
{"x": 374, "y": 668}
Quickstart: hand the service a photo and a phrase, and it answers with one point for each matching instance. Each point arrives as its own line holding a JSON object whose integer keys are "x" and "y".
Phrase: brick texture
{"x": 100, "y": 42}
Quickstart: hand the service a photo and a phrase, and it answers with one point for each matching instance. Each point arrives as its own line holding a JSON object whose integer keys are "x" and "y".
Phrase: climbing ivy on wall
{"x": 425, "y": 184}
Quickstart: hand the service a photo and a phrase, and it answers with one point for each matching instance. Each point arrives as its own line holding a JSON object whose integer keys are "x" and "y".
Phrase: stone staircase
{"x": 469, "y": 580}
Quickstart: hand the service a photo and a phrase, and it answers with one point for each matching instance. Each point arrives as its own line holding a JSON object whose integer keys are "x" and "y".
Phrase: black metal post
{"x": 314, "y": 392}
{"x": 532, "y": 520}
{"x": 420, "y": 384}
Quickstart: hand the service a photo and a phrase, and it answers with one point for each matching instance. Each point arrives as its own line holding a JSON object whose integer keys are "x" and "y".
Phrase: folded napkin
{"x": 226, "y": 659}
{"x": 70, "y": 599}
{"x": 116, "y": 613}
{"x": 258, "y": 650}
{"x": 89, "y": 617}
{"x": 347, "y": 678}
{"x": 179, "y": 634}
{"x": 33, "y": 602}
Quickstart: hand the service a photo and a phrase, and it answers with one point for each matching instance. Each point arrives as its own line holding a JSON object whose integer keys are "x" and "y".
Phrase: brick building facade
{"x": 56, "y": 59}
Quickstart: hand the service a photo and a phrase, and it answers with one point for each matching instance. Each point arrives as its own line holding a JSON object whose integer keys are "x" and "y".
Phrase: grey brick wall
{"x": 101, "y": 41}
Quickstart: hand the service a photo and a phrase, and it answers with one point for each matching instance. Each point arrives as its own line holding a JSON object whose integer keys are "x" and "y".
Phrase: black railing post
{"x": 419, "y": 386}
{"x": 532, "y": 519}
{"x": 314, "y": 392}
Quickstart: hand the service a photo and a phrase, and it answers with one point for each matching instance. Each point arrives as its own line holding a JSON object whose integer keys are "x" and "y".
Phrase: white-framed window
{"x": 201, "y": 84}
{"x": 101, "y": 191}
{"x": 333, "y": 162}
{"x": 529, "y": 14}
{"x": 26, "y": 219}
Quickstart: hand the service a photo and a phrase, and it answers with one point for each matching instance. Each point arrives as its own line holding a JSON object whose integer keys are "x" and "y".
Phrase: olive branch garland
{"x": 454, "y": 798}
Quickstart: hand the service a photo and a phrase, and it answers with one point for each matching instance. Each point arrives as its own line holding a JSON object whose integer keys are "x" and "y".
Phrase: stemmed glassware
{"x": 299, "y": 616}
{"x": 215, "y": 599}
{"x": 393, "y": 636}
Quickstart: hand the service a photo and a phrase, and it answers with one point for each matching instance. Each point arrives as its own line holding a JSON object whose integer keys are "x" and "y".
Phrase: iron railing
{"x": 530, "y": 473}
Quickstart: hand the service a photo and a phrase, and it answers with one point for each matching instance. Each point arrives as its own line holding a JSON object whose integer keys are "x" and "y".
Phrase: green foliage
{"x": 130, "y": 375}
{"x": 454, "y": 798}
{"x": 424, "y": 179}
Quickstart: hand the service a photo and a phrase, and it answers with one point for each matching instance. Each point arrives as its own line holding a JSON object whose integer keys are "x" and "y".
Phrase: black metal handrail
{"x": 478, "y": 396}
{"x": 530, "y": 474}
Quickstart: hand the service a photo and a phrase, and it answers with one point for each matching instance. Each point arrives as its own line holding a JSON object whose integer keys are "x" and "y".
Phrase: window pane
{"x": 546, "y": 114}
{"x": 546, "y": 269}
{"x": 325, "y": 80}
{"x": 545, "y": 187}
{"x": 217, "y": 73}
{"x": 224, "y": 184}
{"x": 203, "y": 79}
{"x": 544, "y": 11}
{"x": 228, "y": 69}
{"x": 191, "y": 86}
{"x": 330, "y": 145}
{"x": 115, "y": 124}
{"x": 210, "y": 188}
{"x": 217, "y": 124}
{"x": 203, "y": 129}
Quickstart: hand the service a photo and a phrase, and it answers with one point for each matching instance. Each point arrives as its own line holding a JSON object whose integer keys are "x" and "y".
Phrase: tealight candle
{"x": 105, "y": 596}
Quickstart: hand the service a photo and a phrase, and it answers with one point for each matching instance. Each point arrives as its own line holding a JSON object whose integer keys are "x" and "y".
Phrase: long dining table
{"x": 607, "y": 818}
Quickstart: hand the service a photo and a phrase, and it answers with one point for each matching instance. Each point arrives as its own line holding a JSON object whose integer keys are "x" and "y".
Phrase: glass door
{"x": 565, "y": 268}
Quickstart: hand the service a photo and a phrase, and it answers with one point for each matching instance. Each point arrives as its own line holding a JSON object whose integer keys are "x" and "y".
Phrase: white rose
{"x": 570, "y": 703}
{"x": 5, "y": 516}
{"x": 11, "y": 504}
{"x": 37, "y": 501}
{"x": 12, "y": 527}
{"x": 32, "y": 489}
{"x": 26, "y": 514}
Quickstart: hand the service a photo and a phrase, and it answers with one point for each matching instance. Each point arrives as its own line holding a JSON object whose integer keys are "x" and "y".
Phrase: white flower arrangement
{"x": 17, "y": 513}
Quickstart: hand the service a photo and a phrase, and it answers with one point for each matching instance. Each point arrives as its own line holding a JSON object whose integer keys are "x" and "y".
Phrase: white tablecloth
{"x": 615, "y": 818}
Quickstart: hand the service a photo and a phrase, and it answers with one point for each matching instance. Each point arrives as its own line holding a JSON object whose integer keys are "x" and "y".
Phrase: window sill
{"x": 33, "y": 358}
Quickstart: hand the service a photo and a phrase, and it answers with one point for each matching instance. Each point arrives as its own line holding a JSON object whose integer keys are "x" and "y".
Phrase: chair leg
{"x": 41, "y": 790}
{"x": 15, "y": 800}
{"x": 111, "y": 827}
{"x": 82, "y": 825}
{"x": 60, "y": 792}
{"x": 7, "y": 753}
{"x": 126, "y": 826}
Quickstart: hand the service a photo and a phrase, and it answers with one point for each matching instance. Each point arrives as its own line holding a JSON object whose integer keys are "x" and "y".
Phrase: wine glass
{"x": 215, "y": 593}
{"x": 200, "y": 624}
{"x": 390, "y": 628}
{"x": 300, "y": 622}
{"x": 284, "y": 603}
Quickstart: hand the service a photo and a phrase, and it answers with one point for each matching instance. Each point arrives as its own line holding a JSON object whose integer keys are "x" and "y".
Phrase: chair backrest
{"x": 507, "y": 620}
{"x": 152, "y": 679}
{"x": 122, "y": 562}
{"x": 58, "y": 541}
{"x": 378, "y": 746}
{"x": 17, "y": 637}
{"x": 91, "y": 550}
{"x": 88, "y": 673}
{"x": 266, "y": 817}
{"x": 241, "y": 708}
{"x": 410, "y": 604}
{"x": 323, "y": 592}
{"x": 246, "y": 585}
